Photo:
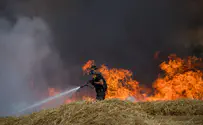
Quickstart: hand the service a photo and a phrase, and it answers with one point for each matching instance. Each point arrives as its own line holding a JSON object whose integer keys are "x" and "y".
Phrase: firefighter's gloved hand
{"x": 91, "y": 82}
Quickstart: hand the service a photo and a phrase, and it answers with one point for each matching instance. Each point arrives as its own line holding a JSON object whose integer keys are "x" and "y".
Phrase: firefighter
{"x": 98, "y": 82}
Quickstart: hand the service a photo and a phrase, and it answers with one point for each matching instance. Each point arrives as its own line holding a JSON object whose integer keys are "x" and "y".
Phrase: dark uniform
{"x": 100, "y": 89}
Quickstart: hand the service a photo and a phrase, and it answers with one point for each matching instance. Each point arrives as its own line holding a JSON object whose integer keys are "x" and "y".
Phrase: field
{"x": 116, "y": 112}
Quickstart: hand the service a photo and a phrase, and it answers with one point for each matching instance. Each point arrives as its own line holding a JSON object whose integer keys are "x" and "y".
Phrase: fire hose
{"x": 87, "y": 85}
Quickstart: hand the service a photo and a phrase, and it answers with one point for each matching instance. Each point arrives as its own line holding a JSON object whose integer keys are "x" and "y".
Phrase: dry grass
{"x": 115, "y": 112}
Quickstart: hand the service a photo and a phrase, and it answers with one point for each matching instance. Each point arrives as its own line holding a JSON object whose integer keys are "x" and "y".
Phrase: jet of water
{"x": 49, "y": 99}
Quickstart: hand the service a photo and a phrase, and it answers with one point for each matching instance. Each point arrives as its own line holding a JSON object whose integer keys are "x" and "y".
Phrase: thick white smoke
{"x": 24, "y": 50}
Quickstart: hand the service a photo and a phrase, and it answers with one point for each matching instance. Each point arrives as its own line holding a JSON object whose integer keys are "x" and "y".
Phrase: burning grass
{"x": 182, "y": 78}
{"x": 116, "y": 112}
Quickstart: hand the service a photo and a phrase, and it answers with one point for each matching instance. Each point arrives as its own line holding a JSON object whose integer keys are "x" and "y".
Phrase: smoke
{"x": 28, "y": 63}
{"x": 123, "y": 34}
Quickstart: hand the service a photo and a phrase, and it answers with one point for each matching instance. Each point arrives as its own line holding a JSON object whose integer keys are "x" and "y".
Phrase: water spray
{"x": 49, "y": 99}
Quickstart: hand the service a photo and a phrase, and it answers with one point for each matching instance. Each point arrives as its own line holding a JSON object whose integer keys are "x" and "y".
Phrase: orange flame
{"x": 119, "y": 81}
{"x": 53, "y": 91}
{"x": 88, "y": 98}
{"x": 182, "y": 78}
{"x": 88, "y": 65}
{"x": 68, "y": 101}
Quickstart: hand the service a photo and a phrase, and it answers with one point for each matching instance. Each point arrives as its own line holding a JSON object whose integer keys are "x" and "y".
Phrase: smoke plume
{"x": 28, "y": 63}
{"x": 50, "y": 50}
